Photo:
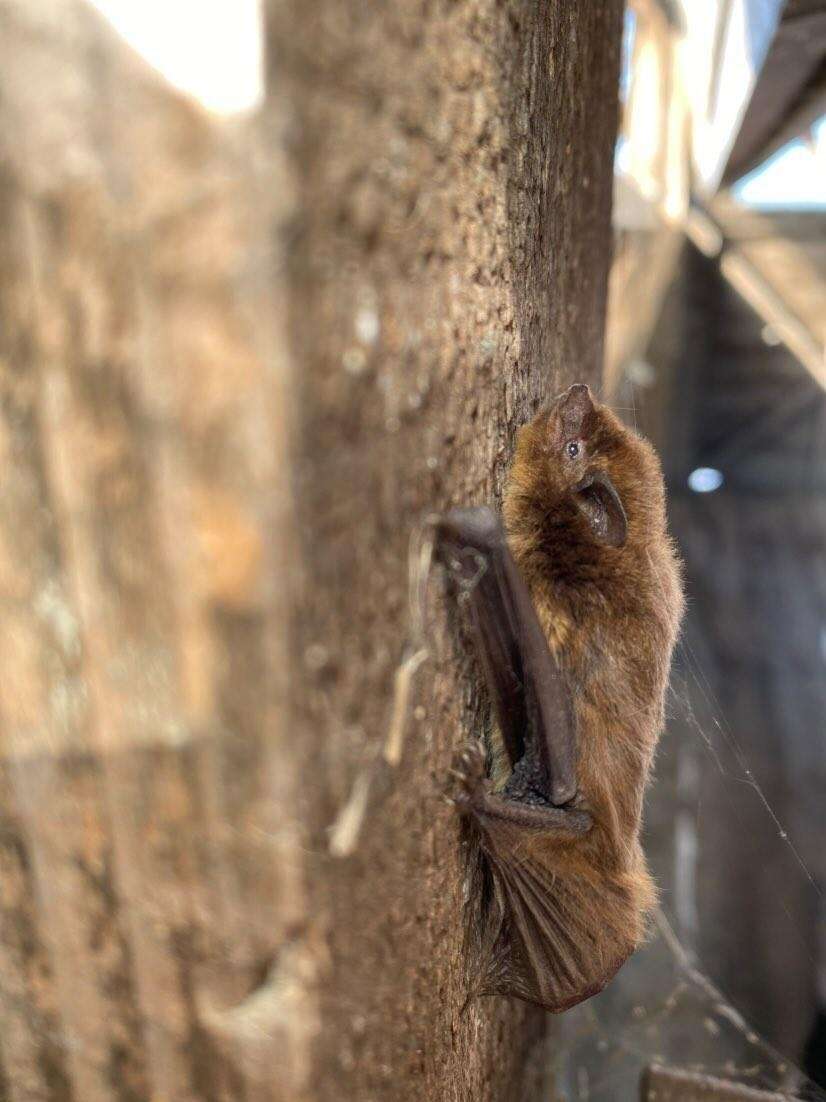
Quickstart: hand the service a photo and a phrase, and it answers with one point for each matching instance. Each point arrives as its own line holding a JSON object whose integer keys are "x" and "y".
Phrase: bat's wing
{"x": 526, "y": 686}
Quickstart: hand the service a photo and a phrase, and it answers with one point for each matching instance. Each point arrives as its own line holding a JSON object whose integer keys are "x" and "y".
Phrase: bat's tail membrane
{"x": 550, "y": 938}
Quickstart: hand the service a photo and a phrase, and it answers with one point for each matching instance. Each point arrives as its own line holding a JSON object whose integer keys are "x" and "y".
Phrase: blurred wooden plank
{"x": 54, "y": 784}
{"x": 659, "y": 1084}
{"x": 737, "y": 48}
{"x": 780, "y": 279}
{"x": 138, "y": 513}
{"x": 789, "y": 95}
{"x": 651, "y": 192}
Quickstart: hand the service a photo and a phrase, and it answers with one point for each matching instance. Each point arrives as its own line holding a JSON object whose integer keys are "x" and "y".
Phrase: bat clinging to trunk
{"x": 575, "y": 603}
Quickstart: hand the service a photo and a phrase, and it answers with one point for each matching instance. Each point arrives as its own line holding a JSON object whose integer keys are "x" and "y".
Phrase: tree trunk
{"x": 238, "y": 365}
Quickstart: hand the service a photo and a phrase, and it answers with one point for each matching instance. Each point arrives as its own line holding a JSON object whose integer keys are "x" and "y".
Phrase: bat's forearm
{"x": 525, "y": 684}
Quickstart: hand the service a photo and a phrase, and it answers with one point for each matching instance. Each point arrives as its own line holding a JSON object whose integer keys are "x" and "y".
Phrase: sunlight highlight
{"x": 705, "y": 480}
{"x": 794, "y": 177}
{"x": 212, "y": 51}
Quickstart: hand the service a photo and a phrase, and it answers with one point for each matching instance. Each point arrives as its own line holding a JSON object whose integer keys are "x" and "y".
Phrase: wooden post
{"x": 238, "y": 364}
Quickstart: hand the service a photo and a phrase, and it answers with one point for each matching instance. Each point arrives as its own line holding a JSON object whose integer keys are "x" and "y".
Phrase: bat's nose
{"x": 575, "y": 408}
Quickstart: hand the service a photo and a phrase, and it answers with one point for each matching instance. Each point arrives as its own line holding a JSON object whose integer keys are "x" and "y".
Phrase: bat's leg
{"x": 527, "y": 689}
{"x": 475, "y": 798}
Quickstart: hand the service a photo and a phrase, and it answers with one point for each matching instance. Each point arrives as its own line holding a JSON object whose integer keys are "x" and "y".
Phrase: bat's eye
{"x": 572, "y": 449}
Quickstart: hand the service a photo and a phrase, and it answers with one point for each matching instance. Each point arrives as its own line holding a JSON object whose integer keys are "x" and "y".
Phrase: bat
{"x": 575, "y": 603}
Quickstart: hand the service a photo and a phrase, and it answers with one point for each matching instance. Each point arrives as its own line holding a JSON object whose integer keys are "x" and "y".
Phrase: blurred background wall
{"x": 716, "y": 340}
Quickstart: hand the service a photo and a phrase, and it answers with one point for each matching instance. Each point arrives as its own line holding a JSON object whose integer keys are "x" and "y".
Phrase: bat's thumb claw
{"x": 470, "y": 770}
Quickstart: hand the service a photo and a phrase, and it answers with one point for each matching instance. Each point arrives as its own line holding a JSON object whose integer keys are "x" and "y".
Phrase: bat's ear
{"x": 600, "y": 504}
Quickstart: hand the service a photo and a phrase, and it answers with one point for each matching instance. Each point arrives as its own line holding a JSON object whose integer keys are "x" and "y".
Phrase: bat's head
{"x": 578, "y": 452}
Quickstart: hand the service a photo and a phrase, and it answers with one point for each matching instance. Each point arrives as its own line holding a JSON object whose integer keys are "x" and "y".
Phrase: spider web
{"x": 603, "y": 1045}
{"x": 663, "y": 1009}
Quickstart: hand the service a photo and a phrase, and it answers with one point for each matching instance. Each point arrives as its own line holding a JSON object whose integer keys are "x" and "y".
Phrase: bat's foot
{"x": 470, "y": 772}
{"x": 466, "y": 539}
{"x": 476, "y": 798}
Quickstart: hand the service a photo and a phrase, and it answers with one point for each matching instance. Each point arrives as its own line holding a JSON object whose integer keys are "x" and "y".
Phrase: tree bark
{"x": 238, "y": 365}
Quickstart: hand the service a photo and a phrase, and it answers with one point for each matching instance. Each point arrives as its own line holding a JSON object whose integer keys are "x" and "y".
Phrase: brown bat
{"x": 575, "y": 605}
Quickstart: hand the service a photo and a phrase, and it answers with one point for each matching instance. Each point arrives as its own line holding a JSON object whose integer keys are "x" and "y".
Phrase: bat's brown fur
{"x": 611, "y": 615}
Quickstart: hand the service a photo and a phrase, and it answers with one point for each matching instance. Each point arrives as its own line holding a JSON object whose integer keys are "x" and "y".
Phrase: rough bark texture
{"x": 237, "y": 365}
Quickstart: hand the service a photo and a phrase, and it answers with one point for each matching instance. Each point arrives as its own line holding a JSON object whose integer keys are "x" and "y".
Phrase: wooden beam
{"x": 661, "y": 1084}
{"x": 652, "y": 192}
{"x": 739, "y": 39}
{"x": 759, "y": 292}
{"x": 790, "y": 93}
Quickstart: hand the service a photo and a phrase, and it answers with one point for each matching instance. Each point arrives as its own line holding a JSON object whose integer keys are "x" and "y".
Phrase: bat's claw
{"x": 465, "y": 539}
{"x": 470, "y": 772}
